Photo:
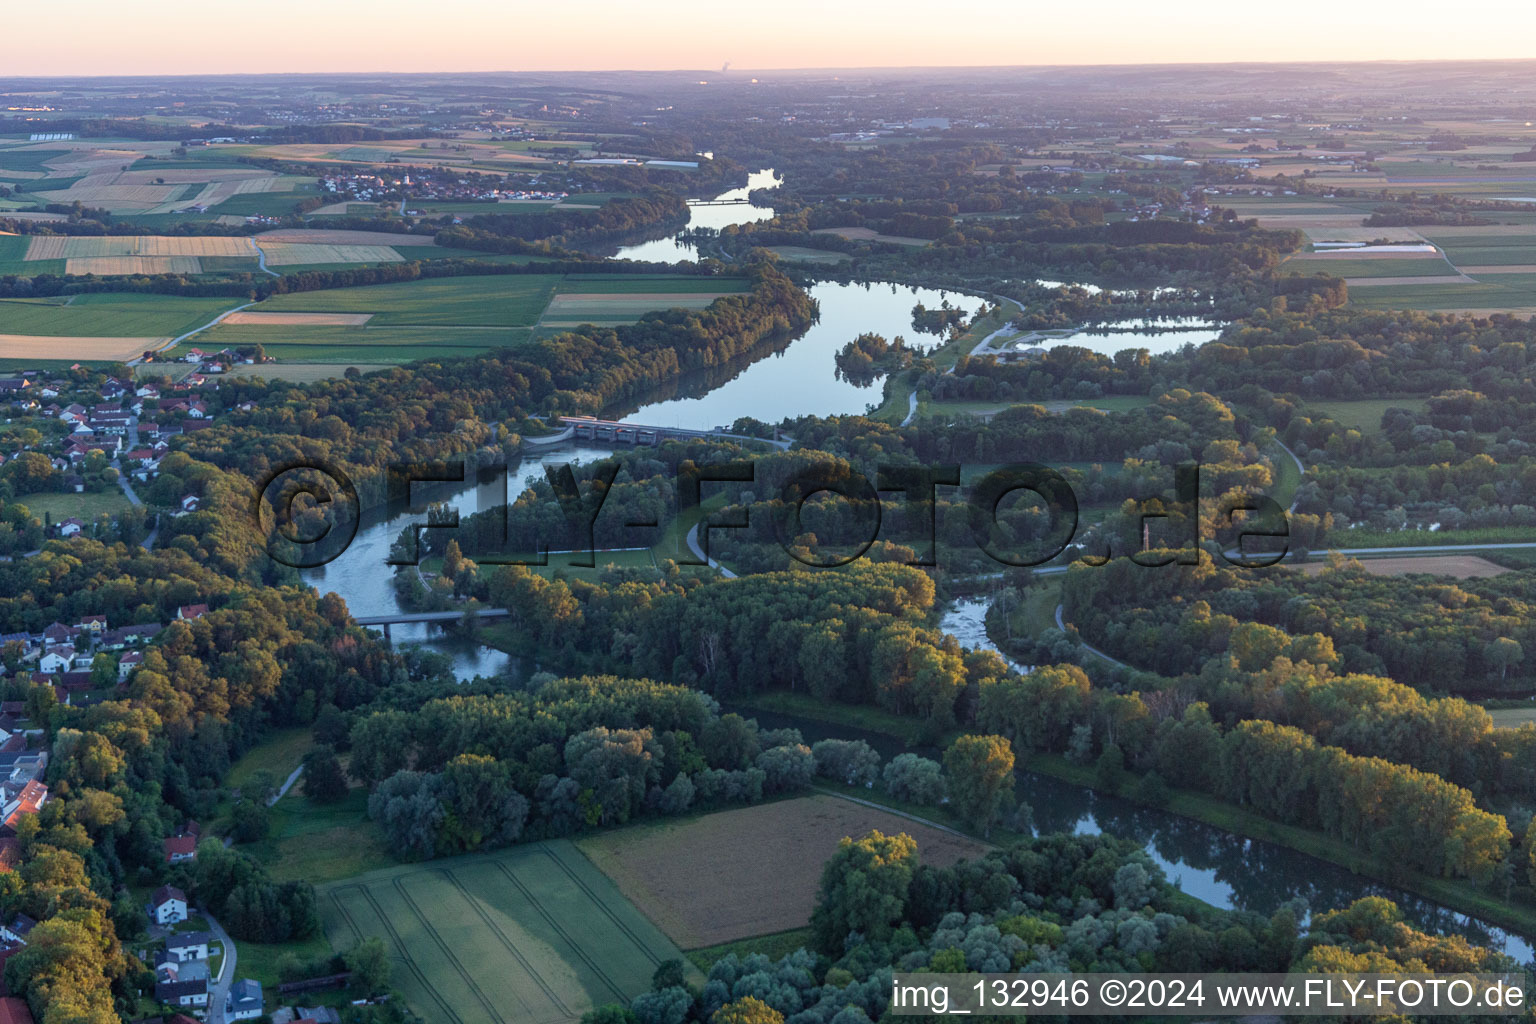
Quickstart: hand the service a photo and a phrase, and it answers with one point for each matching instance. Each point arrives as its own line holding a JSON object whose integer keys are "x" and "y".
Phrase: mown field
{"x": 750, "y": 870}
{"x": 109, "y": 315}
{"x": 506, "y": 301}
{"x": 447, "y": 317}
{"x": 530, "y": 934}
{"x": 1363, "y": 414}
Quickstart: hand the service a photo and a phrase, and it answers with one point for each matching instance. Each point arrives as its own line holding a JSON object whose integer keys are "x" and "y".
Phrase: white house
{"x": 127, "y": 663}
{"x": 168, "y": 905}
{"x": 56, "y": 660}
{"x": 244, "y": 1001}
{"x": 188, "y": 946}
{"x": 70, "y": 527}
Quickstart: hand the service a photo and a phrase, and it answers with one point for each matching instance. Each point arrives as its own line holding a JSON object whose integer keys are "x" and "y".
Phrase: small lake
{"x": 801, "y": 380}
{"x": 670, "y": 250}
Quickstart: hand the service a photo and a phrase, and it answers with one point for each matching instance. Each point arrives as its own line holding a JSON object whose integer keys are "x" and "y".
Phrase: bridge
{"x": 719, "y": 202}
{"x": 588, "y": 428}
{"x": 441, "y": 618}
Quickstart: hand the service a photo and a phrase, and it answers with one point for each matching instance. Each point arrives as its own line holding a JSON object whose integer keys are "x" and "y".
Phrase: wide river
{"x": 1222, "y": 868}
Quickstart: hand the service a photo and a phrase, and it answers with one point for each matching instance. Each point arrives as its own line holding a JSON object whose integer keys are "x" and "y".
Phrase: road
{"x": 286, "y": 786}
{"x": 261, "y": 254}
{"x": 698, "y": 552}
{"x": 1086, "y": 645}
{"x": 199, "y": 330}
{"x": 122, "y": 481}
{"x": 1300, "y": 469}
{"x": 911, "y": 409}
{"x": 218, "y": 992}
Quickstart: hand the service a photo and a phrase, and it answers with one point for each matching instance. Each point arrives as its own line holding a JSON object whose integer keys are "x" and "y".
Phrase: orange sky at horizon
{"x": 173, "y": 37}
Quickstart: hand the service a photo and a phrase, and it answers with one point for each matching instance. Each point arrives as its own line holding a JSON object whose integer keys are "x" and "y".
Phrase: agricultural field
{"x": 139, "y": 254}
{"x": 514, "y": 300}
{"x": 99, "y": 326}
{"x": 391, "y": 324}
{"x": 870, "y": 235}
{"x": 1460, "y": 566}
{"x": 802, "y": 254}
{"x": 621, "y": 299}
{"x": 529, "y": 934}
{"x": 751, "y": 870}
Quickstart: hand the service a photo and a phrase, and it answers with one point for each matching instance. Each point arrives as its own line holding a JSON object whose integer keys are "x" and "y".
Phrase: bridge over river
{"x": 588, "y": 428}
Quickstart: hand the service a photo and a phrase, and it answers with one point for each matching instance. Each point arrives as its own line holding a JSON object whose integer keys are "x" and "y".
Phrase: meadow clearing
{"x": 533, "y": 934}
{"x": 1462, "y": 567}
{"x": 750, "y": 870}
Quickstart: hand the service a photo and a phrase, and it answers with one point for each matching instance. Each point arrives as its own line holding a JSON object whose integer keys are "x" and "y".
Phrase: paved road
{"x": 219, "y": 991}
{"x": 1301, "y": 469}
{"x": 1086, "y": 645}
{"x": 197, "y": 330}
{"x": 286, "y": 786}
{"x": 693, "y": 545}
{"x": 911, "y": 409}
{"x": 261, "y": 254}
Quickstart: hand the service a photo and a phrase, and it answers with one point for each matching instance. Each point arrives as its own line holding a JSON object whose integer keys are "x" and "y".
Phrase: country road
{"x": 218, "y": 991}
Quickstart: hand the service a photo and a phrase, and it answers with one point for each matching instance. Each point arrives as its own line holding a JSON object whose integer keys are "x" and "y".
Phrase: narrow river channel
{"x": 1220, "y": 867}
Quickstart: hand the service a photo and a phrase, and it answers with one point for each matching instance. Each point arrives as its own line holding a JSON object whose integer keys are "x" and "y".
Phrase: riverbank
{"x": 1463, "y": 898}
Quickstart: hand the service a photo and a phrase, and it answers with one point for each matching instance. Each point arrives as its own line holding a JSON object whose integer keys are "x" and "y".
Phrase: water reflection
{"x": 1219, "y": 867}
{"x": 362, "y": 577}
{"x": 802, "y": 380}
{"x": 671, "y": 250}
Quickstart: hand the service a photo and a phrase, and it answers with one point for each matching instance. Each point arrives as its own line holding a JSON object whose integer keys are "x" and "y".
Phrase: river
{"x": 672, "y": 250}
{"x": 1220, "y": 867}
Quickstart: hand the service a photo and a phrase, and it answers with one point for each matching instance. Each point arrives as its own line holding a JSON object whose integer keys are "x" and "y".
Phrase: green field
{"x": 1494, "y": 292}
{"x": 530, "y": 934}
{"x": 1428, "y": 266}
{"x": 1364, "y": 414}
{"x": 622, "y": 284}
{"x": 111, "y": 315}
{"x": 86, "y": 505}
{"x": 493, "y": 301}
{"x": 349, "y": 345}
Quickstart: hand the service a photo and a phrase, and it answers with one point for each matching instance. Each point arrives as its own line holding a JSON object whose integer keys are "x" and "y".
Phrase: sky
{"x": 167, "y": 37}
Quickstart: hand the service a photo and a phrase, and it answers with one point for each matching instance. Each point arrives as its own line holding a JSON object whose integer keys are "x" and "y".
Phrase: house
{"x": 168, "y": 905}
{"x": 29, "y": 800}
{"x": 57, "y": 633}
{"x": 245, "y": 1001}
{"x": 95, "y": 624}
{"x": 188, "y": 612}
{"x": 17, "y": 930}
{"x": 57, "y": 659}
{"x": 70, "y": 527}
{"x": 127, "y": 663}
{"x": 14, "y": 1010}
{"x": 180, "y": 848}
{"x": 184, "y": 946}
{"x": 183, "y": 992}
{"x": 189, "y": 502}
{"x": 122, "y": 636}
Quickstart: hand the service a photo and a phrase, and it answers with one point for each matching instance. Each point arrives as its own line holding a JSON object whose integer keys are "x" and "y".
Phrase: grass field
{"x": 1362, "y": 414}
{"x": 1513, "y": 293}
{"x": 747, "y": 871}
{"x": 1460, "y": 566}
{"x": 502, "y": 301}
{"x": 802, "y": 254}
{"x": 1512, "y": 718}
{"x": 530, "y": 934}
{"x": 110, "y": 315}
{"x": 86, "y": 505}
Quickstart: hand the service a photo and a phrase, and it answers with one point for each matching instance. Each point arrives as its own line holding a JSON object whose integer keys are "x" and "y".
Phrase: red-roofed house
{"x": 29, "y": 801}
{"x": 180, "y": 848}
{"x": 188, "y": 612}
